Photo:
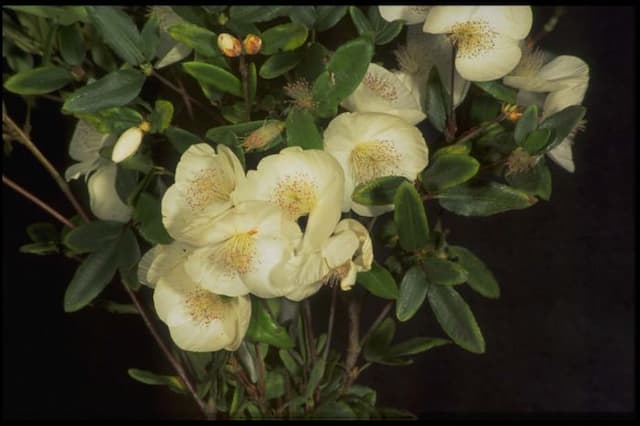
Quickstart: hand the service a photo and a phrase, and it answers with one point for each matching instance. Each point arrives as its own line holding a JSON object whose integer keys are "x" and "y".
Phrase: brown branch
{"x": 44, "y": 206}
{"x": 353, "y": 346}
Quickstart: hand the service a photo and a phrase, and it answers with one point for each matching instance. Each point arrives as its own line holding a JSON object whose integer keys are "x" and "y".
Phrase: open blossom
{"x": 243, "y": 248}
{"x": 409, "y": 14}
{"x": 382, "y": 91}
{"x": 301, "y": 182}
{"x": 345, "y": 253}
{"x": 201, "y": 192}
{"x": 486, "y": 37}
{"x": 372, "y": 145}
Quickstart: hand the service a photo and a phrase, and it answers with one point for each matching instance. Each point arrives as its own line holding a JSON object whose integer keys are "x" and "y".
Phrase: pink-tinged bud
{"x": 229, "y": 45}
{"x": 263, "y": 136}
{"x": 252, "y": 44}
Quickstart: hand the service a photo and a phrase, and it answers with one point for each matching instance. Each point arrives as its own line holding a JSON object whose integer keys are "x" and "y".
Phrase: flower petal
{"x": 561, "y": 99}
{"x": 409, "y": 14}
{"x": 490, "y": 63}
{"x": 442, "y": 18}
{"x": 512, "y": 21}
{"x": 562, "y": 155}
{"x": 160, "y": 260}
{"x": 104, "y": 200}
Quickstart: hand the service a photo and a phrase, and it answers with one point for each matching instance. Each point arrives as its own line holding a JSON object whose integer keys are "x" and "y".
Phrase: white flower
{"x": 486, "y": 37}
{"x": 128, "y": 142}
{"x": 201, "y": 192}
{"x": 199, "y": 320}
{"x": 244, "y": 246}
{"x": 348, "y": 251}
{"x": 85, "y": 146}
{"x": 409, "y": 14}
{"x": 566, "y": 78}
{"x": 382, "y": 91}
{"x": 372, "y": 145}
{"x": 160, "y": 260}
{"x": 301, "y": 182}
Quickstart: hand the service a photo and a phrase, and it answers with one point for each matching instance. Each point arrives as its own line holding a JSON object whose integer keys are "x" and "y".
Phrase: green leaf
{"x": 119, "y": 32}
{"x": 537, "y": 141}
{"x": 201, "y": 40}
{"x": 93, "y": 236}
{"x": 181, "y": 139}
{"x": 302, "y": 130}
{"x": 451, "y": 149}
{"x": 279, "y": 64}
{"x": 563, "y": 122}
{"x": 112, "y": 120}
{"x": 214, "y": 76}
{"x": 536, "y": 182}
{"x": 483, "y": 109}
{"x": 161, "y": 116}
{"x": 248, "y": 360}
{"x": 38, "y": 81}
{"x": 325, "y": 102}
{"x": 527, "y": 124}
{"x": 288, "y": 362}
{"x": 448, "y": 170}
{"x": 148, "y": 215}
{"x": 128, "y": 258}
{"x": 263, "y": 328}
{"x": 93, "y": 275}
{"x": 479, "y": 277}
{"x": 443, "y": 272}
{"x": 455, "y": 318}
{"x": 415, "y": 346}
{"x": 43, "y": 232}
{"x": 328, "y": 16}
{"x": 275, "y": 385}
{"x": 360, "y": 21}
{"x": 377, "y": 192}
{"x": 257, "y": 13}
{"x": 317, "y": 372}
{"x": 313, "y": 61}
{"x": 40, "y": 249}
{"x": 488, "y": 199}
{"x": 284, "y": 38}
{"x": 376, "y": 347}
{"x": 379, "y": 282}
{"x": 413, "y": 290}
{"x": 174, "y": 383}
{"x": 349, "y": 65}
{"x": 150, "y": 36}
{"x": 64, "y": 15}
{"x": 71, "y": 44}
{"x": 385, "y": 31}
{"x": 305, "y": 15}
{"x": 333, "y": 410}
{"x": 410, "y": 218}
{"x": 115, "y": 89}
{"x": 435, "y": 101}
{"x": 498, "y": 91}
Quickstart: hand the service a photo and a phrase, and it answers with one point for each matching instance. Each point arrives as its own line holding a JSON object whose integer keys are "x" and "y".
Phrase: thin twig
{"x": 26, "y": 141}
{"x": 44, "y": 206}
{"x": 181, "y": 92}
{"x": 472, "y": 133}
{"x": 549, "y": 26}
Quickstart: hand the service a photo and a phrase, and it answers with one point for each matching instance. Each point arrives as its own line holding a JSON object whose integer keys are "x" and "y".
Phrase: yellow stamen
{"x": 373, "y": 159}
{"x": 380, "y": 87}
{"x": 237, "y": 254}
{"x": 472, "y": 38}
{"x": 204, "y": 307}
{"x": 208, "y": 186}
{"x": 296, "y": 195}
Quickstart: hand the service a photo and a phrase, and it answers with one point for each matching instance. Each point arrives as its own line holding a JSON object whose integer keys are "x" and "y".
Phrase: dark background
{"x": 559, "y": 340}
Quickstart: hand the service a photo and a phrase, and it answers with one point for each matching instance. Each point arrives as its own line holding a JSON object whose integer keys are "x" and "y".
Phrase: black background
{"x": 559, "y": 340}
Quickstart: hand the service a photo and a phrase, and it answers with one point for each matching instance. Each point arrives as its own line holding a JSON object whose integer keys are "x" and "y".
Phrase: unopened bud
{"x": 129, "y": 142}
{"x": 512, "y": 112}
{"x": 252, "y": 44}
{"x": 229, "y": 45}
{"x": 263, "y": 136}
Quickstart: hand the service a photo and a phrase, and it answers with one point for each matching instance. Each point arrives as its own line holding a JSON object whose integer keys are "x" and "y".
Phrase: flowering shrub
{"x": 279, "y": 168}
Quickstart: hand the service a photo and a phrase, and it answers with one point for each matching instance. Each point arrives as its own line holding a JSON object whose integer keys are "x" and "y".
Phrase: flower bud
{"x": 263, "y": 136}
{"x": 252, "y": 44}
{"x": 229, "y": 45}
{"x": 129, "y": 142}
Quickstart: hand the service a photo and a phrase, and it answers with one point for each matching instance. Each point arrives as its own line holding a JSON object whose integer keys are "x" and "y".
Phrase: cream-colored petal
{"x": 214, "y": 268}
{"x": 562, "y": 155}
{"x": 127, "y": 144}
{"x": 304, "y": 272}
{"x": 340, "y": 248}
{"x": 442, "y": 18}
{"x": 512, "y": 21}
{"x": 271, "y": 253}
{"x": 86, "y": 142}
{"x": 104, "y": 200}
{"x": 489, "y": 63}
{"x": 349, "y": 279}
{"x": 84, "y": 168}
{"x": 194, "y": 338}
{"x": 364, "y": 255}
{"x": 324, "y": 217}
{"x": 409, "y": 14}
{"x": 242, "y": 313}
{"x": 561, "y": 99}
{"x": 565, "y": 67}
{"x": 371, "y": 211}
{"x": 160, "y": 260}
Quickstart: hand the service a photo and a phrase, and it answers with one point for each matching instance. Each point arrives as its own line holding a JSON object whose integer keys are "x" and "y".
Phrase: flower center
{"x": 237, "y": 254}
{"x": 208, "y": 186}
{"x": 296, "y": 195}
{"x": 374, "y": 159}
{"x": 204, "y": 307}
{"x": 380, "y": 87}
{"x": 472, "y": 38}
{"x": 337, "y": 274}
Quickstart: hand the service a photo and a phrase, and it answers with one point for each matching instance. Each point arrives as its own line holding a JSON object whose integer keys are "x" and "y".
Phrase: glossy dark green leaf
{"x": 410, "y": 218}
{"x": 40, "y": 249}
{"x": 148, "y": 215}
{"x": 257, "y": 13}
{"x": 313, "y": 63}
{"x": 376, "y": 347}
{"x": 174, "y": 383}
{"x": 38, "y": 81}
{"x": 527, "y": 124}
{"x": 93, "y": 236}
{"x": 315, "y": 377}
{"x": 214, "y": 76}
{"x": 302, "y": 130}
{"x": 119, "y": 308}
{"x": 128, "y": 258}
{"x": 283, "y": 38}
{"x": 498, "y": 91}
{"x": 161, "y": 116}
{"x": 112, "y": 120}
{"x": 455, "y": 318}
{"x": 305, "y": 15}
{"x": 42, "y": 232}
{"x": 329, "y": 16}
{"x": 413, "y": 290}
{"x": 150, "y": 36}
{"x": 64, "y": 15}
{"x": 325, "y": 101}
{"x": 279, "y": 64}
{"x": 484, "y": 108}
{"x": 181, "y": 139}
{"x": 201, "y": 40}
{"x": 562, "y": 123}
{"x": 377, "y": 192}
{"x": 348, "y": 66}
{"x": 443, "y": 272}
{"x": 479, "y": 277}
{"x": 415, "y": 346}
{"x": 536, "y": 182}
{"x": 119, "y": 32}
{"x": 385, "y": 31}
{"x": 115, "y": 89}
{"x": 379, "y": 282}
{"x": 483, "y": 200}
{"x": 448, "y": 170}
{"x": 263, "y": 328}
{"x": 537, "y": 141}
{"x": 435, "y": 101}
{"x": 71, "y": 44}
{"x": 360, "y": 20}
{"x": 91, "y": 277}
